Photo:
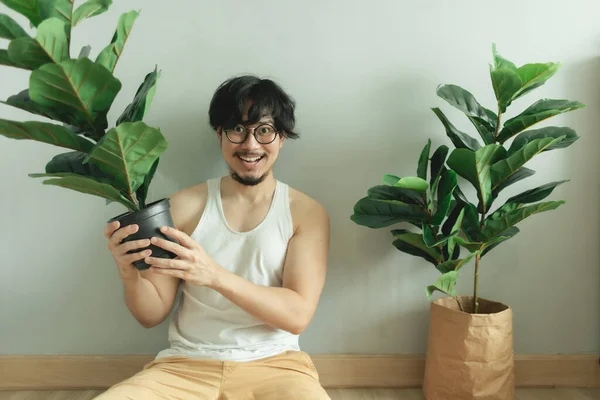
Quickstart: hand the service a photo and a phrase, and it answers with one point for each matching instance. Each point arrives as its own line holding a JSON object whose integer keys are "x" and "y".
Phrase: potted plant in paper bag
{"x": 470, "y": 346}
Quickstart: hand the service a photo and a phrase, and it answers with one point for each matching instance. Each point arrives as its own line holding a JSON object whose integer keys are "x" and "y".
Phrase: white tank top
{"x": 205, "y": 324}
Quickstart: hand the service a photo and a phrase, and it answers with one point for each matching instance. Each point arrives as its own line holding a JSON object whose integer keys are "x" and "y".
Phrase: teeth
{"x": 254, "y": 159}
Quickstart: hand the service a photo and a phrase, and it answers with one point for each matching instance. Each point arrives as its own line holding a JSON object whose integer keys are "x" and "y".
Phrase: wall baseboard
{"x": 64, "y": 372}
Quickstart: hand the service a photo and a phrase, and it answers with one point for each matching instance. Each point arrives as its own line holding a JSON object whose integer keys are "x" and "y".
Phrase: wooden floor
{"x": 336, "y": 394}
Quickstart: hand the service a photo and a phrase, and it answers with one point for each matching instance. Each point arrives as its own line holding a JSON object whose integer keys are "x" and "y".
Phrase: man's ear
{"x": 281, "y": 140}
{"x": 219, "y": 135}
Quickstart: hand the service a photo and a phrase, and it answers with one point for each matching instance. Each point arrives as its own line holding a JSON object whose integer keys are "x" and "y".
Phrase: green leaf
{"x": 506, "y": 83}
{"x": 475, "y": 166}
{"x": 424, "y": 161}
{"x": 109, "y": 56}
{"x": 534, "y": 76}
{"x": 487, "y": 134}
{"x": 49, "y": 46}
{"x": 45, "y": 133}
{"x": 551, "y": 131}
{"x": 503, "y": 210}
{"x": 479, "y": 247}
{"x": 61, "y": 9}
{"x": 453, "y": 223}
{"x": 127, "y": 153}
{"x": 142, "y": 100}
{"x": 384, "y": 192}
{"x": 142, "y": 192}
{"x": 430, "y": 239}
{"x": 53, "y": 40}
{"x": 413, "y": 183}
{"x": 24, "y": 102}
{"x": 460, "y": 139}
{"x": 471, "y": 246}
{"x": 463, "y": 100}
{"x": 445, "y": 284}
{"x": 90, "y": 8}
{"x": 454, "y": 265}
{"x": 389, "y": 179}
{"x": 537, "y": 112}
{"x": 381, "y": 213}
{"x": 27, "y": 8}
{"x": 10, "y": 29}
{"x": 518, "y": 175}
{"x": 454, "y": 220}
{"x": 471, "y": 222}
{"x": 85, "y": 51}
{"x": 80, "y": 87}
{"x": 27, "y": 53}
{"x": 535, "y": 194}
{"x": 87, "y": 185}
{"x": 438, "y": 159}
{"x": 504, "y": 168}
{"x": 494, "y": 227}
{"x": 75, "y": 162}
{"x": 501, "y": 62}
{"x": 413, "y": 244}
{"x": 448, "y": 182}
{"x": 507, "y": 234}
{"x": 5, "y": 60}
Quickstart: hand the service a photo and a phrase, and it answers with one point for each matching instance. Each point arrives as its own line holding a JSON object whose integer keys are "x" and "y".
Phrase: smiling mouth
{"x": 250, "y": 160}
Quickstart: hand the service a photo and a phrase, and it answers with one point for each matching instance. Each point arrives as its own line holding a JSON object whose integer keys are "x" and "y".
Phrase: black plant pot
{"x": 149, "y": 221}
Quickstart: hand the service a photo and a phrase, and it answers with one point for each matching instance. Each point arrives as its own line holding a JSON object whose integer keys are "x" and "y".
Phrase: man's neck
{"x": 248, "y": 193}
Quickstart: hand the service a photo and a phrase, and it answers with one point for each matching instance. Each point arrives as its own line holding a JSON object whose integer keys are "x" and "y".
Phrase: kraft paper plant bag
{"x": 470, "y": 355}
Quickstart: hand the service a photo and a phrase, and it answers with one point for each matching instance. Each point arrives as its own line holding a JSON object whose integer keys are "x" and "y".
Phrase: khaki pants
{"x": 290, "y": 375}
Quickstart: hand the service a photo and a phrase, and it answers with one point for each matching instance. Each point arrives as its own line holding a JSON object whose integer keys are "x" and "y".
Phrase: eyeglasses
{"x": 264, "y": 133}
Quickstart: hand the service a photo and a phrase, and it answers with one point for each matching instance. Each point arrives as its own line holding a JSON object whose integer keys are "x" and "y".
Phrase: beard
{"x": 248, "y": 181}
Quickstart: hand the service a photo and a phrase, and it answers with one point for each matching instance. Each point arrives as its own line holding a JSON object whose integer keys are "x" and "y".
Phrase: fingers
{"x": 169, "y": 246}
{"x": 168, "y": 263}
{"x": 133, "y": 245}
{"x": 180, "y": 236}
{"x": 111, "y": 228}
{"x": 121, "y": 234}
{"x": 131, "y": 258}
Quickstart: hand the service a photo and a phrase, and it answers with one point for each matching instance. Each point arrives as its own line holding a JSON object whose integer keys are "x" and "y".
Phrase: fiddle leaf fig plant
{"x": 452, "y": 230}
{"x": 116, "y": 163}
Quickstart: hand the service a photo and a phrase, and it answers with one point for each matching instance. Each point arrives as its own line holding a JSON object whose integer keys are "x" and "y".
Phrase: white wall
{"x": 364, "y": 76}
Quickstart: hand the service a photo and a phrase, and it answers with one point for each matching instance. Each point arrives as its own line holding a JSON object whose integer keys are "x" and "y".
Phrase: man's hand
{"x": 115, "y": 235}
{"x": 192, "y": 264}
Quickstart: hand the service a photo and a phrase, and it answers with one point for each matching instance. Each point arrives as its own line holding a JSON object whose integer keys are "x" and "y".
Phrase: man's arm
{"x": 292, "y": 306}
{"x": 150, "y": 296}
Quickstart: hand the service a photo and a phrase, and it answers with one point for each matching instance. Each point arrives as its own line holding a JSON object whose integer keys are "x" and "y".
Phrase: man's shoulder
{"x": 187, "y": 206}
{"x": 197, "y": 192}
{"x": 305, "y": 209}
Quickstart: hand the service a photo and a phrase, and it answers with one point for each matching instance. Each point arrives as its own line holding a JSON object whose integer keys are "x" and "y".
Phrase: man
{"x": 252, "y": 256}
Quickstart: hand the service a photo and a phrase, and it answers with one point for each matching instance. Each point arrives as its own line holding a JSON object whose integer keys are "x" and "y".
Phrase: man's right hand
{"x": 114, "y": 235}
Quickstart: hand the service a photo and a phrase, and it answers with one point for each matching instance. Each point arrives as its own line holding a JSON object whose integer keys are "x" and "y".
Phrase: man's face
{"x": 251, "y": 161}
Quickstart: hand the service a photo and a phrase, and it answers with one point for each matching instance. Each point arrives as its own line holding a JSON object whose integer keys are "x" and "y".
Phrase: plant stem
{"x": 498, "y": 123}
{"x": 476, "y": 278}
{"x": 476, "y": 286}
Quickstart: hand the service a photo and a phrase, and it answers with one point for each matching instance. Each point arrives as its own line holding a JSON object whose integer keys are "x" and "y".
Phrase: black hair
{"x": 269, "y": 99}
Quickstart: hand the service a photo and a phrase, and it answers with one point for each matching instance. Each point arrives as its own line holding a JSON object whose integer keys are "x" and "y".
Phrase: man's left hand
{"x": 192, "y": 264}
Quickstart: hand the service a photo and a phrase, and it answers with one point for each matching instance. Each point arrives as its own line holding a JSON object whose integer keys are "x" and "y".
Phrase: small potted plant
{"x": 117, "y": 164}
{"x": 470, "y": 345}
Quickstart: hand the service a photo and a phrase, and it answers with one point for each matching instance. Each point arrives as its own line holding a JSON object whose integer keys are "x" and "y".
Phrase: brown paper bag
{"x": 469, "y": 356}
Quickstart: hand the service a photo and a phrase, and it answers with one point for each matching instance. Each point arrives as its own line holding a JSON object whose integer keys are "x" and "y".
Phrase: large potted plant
{"x": 117, "y": 164}
{"x": 470, "y": 345}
